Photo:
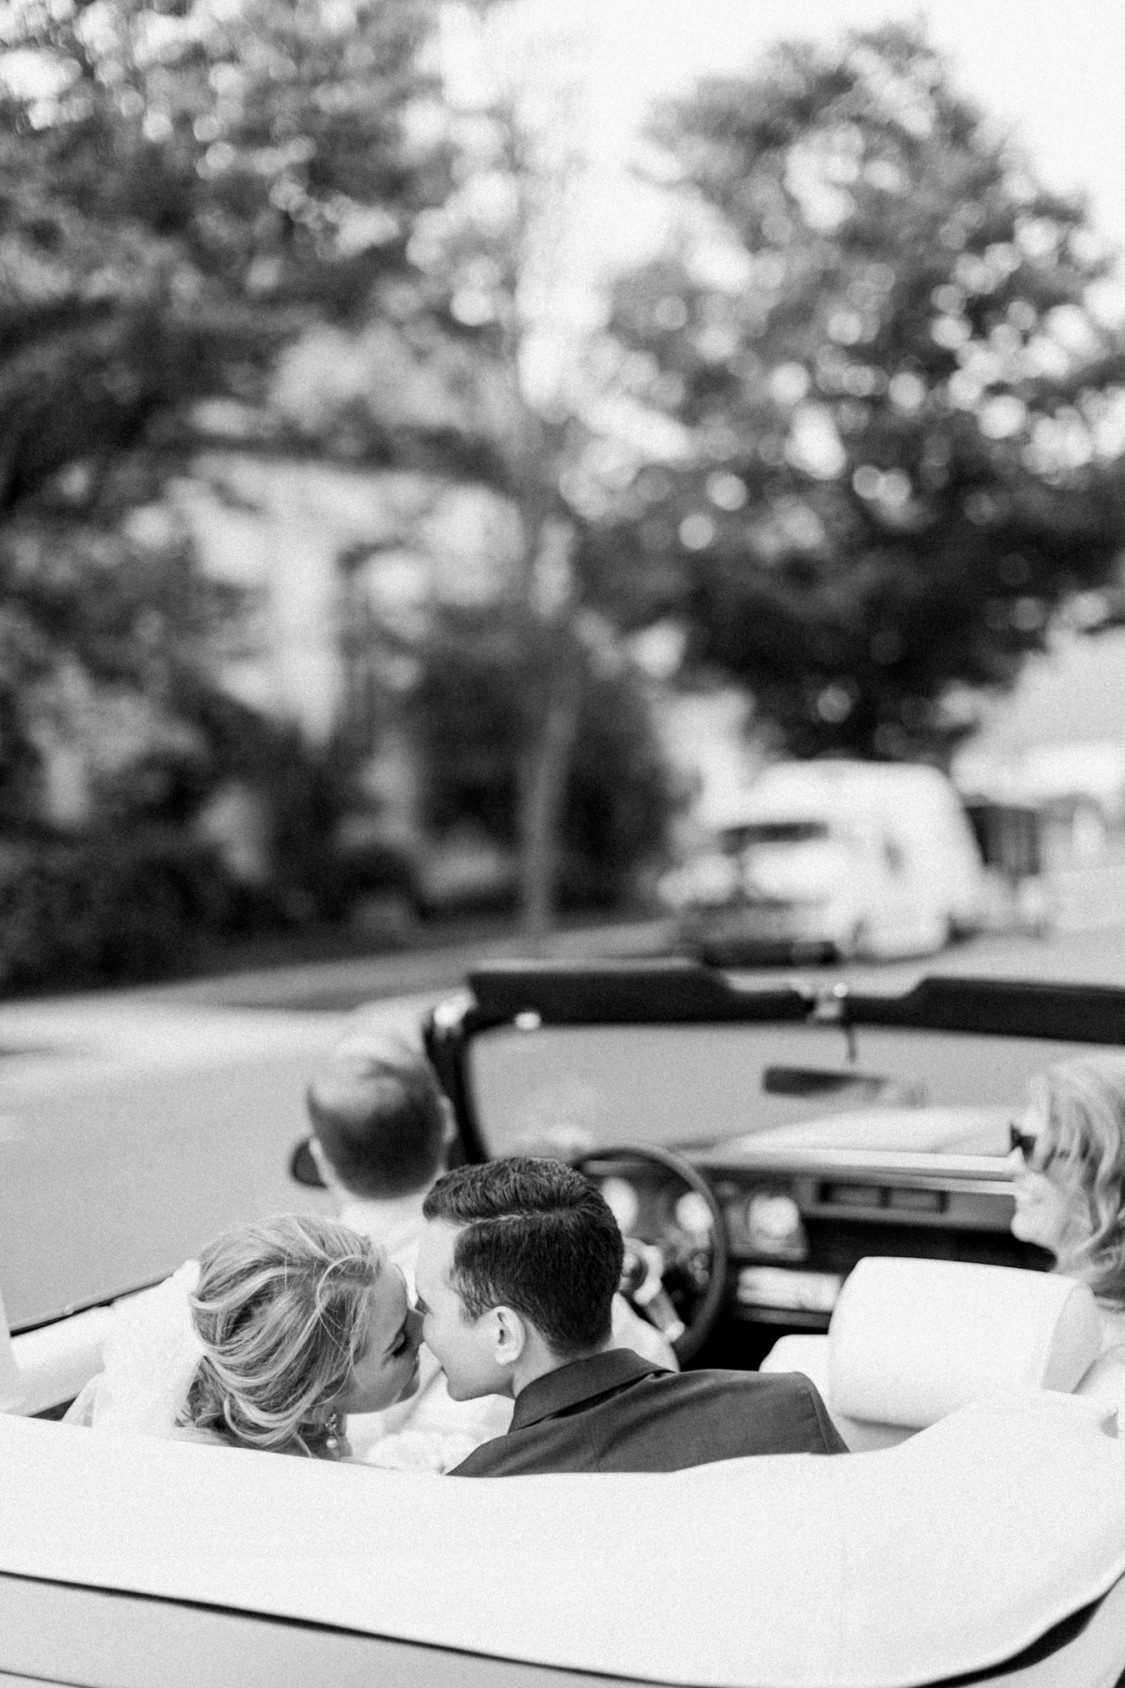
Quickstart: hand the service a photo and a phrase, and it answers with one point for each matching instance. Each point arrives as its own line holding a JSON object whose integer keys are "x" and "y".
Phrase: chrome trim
{"x": 925, "y": 1170}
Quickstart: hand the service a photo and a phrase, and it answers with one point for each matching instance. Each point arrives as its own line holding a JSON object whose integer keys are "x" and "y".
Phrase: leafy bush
{"x": 471, "y": 710}
{"x": 350, "y": 873}
{"x": 620, "y": 795}
{"x": 107, "y": 909}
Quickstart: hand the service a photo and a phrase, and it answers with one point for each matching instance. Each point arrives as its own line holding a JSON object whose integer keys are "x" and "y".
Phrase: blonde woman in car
{"x": 270, "y": 1340}
{"x": 1068, "y": 1156}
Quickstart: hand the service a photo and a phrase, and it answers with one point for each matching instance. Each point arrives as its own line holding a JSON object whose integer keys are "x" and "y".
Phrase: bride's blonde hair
{"x": 281, "y": 1308}
{"x": 1081, "y": 1103}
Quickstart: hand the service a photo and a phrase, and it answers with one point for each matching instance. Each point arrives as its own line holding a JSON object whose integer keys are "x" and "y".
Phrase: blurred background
{"x": 448, "y": 450}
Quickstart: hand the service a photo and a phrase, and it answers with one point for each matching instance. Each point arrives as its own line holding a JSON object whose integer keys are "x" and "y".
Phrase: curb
{"x": 342, "y": 984}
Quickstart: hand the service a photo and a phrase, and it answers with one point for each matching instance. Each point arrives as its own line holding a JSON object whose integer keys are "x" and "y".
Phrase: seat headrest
{"x": 913, "y": 1340}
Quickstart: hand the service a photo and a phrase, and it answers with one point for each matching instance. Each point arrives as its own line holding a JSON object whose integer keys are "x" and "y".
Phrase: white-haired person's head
{"x": 1069, "y": 1166}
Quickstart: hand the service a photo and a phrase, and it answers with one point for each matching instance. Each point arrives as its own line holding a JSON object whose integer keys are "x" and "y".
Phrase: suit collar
{"x": 578, "y": 1383}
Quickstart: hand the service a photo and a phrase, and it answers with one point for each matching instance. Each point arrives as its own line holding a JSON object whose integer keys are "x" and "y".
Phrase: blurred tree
{"x": 905, "y": 417}
{"x": 494, "y": 371}
{"x": 478, "y": 685}
{"x": 98, "y": 622}
{"x": 184, "y": 188}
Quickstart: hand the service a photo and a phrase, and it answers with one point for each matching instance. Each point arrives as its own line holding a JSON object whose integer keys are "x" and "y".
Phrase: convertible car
{"x": 810, "y": 1177}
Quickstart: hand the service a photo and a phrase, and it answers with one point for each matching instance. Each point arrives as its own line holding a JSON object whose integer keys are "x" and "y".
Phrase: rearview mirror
{"x": 832, "y": 1081}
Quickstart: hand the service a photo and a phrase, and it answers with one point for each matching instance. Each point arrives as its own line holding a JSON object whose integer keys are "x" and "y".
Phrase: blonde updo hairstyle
{"x": 1081, "y": 1107}
{"x": 281, "y": 1308}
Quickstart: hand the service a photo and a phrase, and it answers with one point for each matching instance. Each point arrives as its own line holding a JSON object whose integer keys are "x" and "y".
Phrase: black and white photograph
{"x": 562, "y": 844}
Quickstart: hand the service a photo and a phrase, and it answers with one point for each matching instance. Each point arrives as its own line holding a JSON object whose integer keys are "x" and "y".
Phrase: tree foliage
{"x": 492, "y": 375}
{"x": 269, "y": 205}
{"x": 184, "y": 188}
{"x": 101, "y": 624}
{"x": 902, "y": 416}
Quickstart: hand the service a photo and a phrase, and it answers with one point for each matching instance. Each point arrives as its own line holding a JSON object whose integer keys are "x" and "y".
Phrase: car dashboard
{"x": 800, "y": 1215}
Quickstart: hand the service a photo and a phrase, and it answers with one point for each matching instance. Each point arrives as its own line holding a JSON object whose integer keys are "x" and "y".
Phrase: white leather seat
{"x": 912, "y": 1340}
{"x": 46, "y": 1367}
{"x": 809, "y": 1354}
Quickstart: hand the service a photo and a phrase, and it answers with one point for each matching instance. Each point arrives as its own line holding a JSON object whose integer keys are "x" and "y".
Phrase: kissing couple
{"x": 289, "y": 1334}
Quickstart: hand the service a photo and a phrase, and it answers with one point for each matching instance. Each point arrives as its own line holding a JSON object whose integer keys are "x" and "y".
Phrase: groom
{"x": 515, "y": 1276}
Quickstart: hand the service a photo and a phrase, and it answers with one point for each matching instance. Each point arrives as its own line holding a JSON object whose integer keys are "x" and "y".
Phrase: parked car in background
{"x": 832, "y": 859}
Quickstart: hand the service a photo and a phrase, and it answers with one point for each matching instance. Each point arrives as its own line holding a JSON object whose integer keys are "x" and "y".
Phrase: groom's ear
{"x": 509, "y": 1336}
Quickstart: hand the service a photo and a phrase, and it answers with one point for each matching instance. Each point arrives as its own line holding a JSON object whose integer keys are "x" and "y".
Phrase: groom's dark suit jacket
{"x": 617, "y": 1412}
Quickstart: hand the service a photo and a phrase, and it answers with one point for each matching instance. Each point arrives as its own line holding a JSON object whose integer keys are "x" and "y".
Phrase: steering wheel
{"x": 693, "y": 1273}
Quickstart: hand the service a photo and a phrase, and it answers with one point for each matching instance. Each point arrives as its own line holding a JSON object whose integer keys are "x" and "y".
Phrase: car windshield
{"x": 575, "y": 1087}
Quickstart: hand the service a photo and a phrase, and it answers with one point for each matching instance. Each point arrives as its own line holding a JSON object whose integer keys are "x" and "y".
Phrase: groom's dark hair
{"x": 536, "y": 1236}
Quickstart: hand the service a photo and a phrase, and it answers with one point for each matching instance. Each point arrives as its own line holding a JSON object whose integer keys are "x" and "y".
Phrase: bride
{"x": 269, "y": 1340}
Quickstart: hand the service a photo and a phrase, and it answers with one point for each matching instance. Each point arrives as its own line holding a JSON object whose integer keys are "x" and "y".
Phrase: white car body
{"x": 991, "y": 1542}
